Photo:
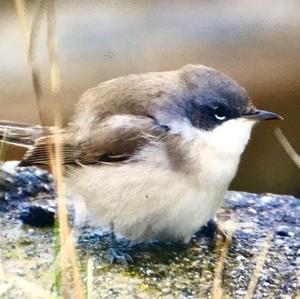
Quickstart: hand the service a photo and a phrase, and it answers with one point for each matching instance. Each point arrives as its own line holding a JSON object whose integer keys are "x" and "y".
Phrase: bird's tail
{"x": 21, "y": 134}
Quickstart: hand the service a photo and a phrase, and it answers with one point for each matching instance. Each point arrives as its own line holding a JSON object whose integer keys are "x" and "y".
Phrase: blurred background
{"x": 255, "y": 42}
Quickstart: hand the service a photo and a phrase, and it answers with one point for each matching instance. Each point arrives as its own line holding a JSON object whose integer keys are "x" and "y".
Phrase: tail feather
{"x": 21, "y": 134}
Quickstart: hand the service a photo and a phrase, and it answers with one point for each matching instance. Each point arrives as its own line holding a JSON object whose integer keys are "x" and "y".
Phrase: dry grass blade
{"x": 287, "y": 147}
{"x": 90, "y": 277}
{"x": 30, "y": 37}
{"x": 259, "y": 266}
{"x": 222, "y": 249}
{"x": 53, "y": 59}
{"x": 294, "y": 157}
{"x": 58, "y": 168}
{"x": 21, "y": 12}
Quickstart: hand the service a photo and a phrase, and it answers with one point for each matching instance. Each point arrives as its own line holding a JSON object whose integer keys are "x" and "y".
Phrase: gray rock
{"x": 158, "y": 270}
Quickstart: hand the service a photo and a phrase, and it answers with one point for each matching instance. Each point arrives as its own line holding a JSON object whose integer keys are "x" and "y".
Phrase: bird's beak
{"x": 262, "y": 115}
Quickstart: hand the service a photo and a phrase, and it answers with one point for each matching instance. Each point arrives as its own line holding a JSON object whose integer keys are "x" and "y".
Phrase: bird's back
{"x": 136, "y": 94}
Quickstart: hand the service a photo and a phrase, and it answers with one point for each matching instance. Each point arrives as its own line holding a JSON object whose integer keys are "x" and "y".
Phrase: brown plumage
{"x": 106, "y": 144}
{"x": 95, "y": 134}
{"x": 158, "y": 150}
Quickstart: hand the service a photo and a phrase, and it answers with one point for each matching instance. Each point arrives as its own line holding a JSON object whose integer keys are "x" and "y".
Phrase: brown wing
{"x": 44, "y": 150}
{"x": 21, "y": 134}
{"x": 114, "y": 139}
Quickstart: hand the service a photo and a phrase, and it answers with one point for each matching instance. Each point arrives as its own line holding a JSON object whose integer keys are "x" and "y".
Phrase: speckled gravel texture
{"x": 27, "y": 253}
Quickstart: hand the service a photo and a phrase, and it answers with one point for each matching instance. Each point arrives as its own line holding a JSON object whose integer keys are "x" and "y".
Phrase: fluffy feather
{"x": 151, "y": 153}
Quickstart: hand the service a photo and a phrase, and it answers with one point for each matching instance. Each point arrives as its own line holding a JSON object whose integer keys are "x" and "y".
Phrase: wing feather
{"x": 114, "y": 139}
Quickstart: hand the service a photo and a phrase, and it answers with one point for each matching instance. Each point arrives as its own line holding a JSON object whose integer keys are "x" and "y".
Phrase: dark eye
{"x": 220, "y": 113}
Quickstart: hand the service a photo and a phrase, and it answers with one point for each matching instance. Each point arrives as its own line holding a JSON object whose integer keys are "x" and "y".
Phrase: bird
{"x": 152, "y": 153}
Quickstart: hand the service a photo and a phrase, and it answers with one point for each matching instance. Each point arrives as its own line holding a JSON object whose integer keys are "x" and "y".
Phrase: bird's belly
{"x": 145, "y": 203}
{"x": 193, "y": 211}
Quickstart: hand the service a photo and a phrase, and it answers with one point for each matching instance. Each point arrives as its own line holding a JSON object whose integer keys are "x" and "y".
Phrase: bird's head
{"x": 219, "y": 108}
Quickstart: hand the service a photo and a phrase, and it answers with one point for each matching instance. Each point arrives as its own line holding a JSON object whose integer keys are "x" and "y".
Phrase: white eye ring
{"x": 220, "y": 117}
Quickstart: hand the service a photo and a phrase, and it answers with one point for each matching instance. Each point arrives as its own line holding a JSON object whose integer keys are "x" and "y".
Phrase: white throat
{"x": 231, "y": 137}
{"x": 216, "y": 153}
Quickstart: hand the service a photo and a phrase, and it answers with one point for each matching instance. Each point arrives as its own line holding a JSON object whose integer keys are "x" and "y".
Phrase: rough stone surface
{"x": 28, "y": 254}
